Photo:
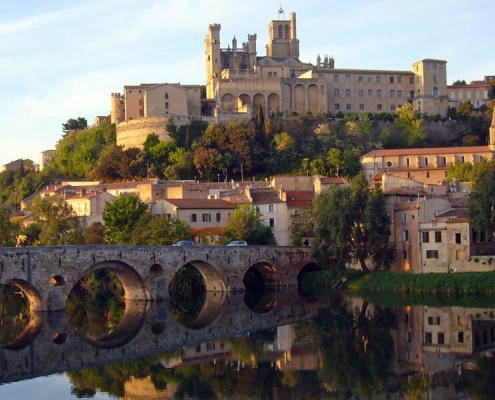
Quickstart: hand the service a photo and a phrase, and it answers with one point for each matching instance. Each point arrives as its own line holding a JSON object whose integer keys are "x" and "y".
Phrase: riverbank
{"x": 460, "y": 283}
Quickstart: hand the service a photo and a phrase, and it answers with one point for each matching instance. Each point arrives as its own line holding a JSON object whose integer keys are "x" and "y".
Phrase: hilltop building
{"x": 239, "y": 82}
{"x": 478, "y": 93}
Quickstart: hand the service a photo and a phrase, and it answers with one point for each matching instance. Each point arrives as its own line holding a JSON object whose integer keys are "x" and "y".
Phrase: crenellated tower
{"x": 213, "y": 59}
{"x": 283, "y": 41}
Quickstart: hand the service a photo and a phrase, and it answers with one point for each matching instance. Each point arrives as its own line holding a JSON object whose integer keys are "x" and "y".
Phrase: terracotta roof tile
{"x": 428, "y": 150}
{"x": 299, "y": 198}
{"x": 201, "y": 203}
{"x": 265, "y": 196}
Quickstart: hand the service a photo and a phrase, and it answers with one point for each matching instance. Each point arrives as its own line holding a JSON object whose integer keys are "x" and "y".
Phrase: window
{"x": 428, "y": 338}
{"x": 206, "y": 217}
{"x": 336, "y": 92}
{"x": 347, "y": 78}
{"x": 166, "y": 95}
{"x": 272, "y": 222}
{"x": 348, "y": 93}
{"x": 433, "y": 320}
{"x": 379, "y": 93}
{"x": 406, "y": 235}
{"x": 440, "y": 338}
{"x": 426, "y": 237}
{"x": 404, "y": 254}
{"x": 379, "y": 107}
{"x": 271, "y": 208}
{"x": 210, "y": 346}
{"x": 411, "y": 80}
{"x": 280, "y": 31}
{"x": 369, "y": 79}
{"x": 426, "y": 161}
{"x": 194, "y": 218}
{"x": 361, "y": 92}
{"x": 411, "y": 94}
{"x": 391, "y": 79}
{"x": 408, "y": 161}
{"x": 458, "y": 238}
{"x": 438, "y": 236}
{"x": 392, "y": 93}
{"x": 219, "y": 217}
{"x": 335, "y": 78}
{"x": 460, "y": 337}
{"x": 399, "y": 94}
{"x": 370, "y": 93}
{"x": 399, "y": 79}
{"x": 348, "y": 107}
{"x": 378, "y": 79}
{"x": 431, "y": 254}
{"x": 405, "y": 218}
{"x": 435, "y": 92}
{"x": 392, "y": 107}
{"x": 360, "y": 79}
{"x": 361, "y": 107}
{"x": 435, "y": 79}
{"x": 337, "y": 106}
{"x": 166, "y": 106}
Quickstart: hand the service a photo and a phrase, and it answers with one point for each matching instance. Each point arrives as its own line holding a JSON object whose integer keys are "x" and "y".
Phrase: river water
{"x": 275, "y": 345}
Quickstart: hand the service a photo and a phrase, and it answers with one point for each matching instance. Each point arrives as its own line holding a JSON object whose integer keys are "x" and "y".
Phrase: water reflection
{"x": 274, "y": 345}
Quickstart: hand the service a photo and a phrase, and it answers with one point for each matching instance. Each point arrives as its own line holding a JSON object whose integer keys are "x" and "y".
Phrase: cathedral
{"x": 239, "y": 82}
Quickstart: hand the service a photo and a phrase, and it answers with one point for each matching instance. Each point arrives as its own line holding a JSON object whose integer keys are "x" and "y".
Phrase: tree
{"x": 120, "y": 217}
{"x": 112, "y": 165}
{"x": 351, "y": 224}
{"x": 465, "y": 109}
{"x": 7, "y": 229}
{"x": 245, "y": 223}
{"x": 482, "y": 199}
{"x": 172, "y": 130}
{"x": 159, "y": 230}
{"x": 459, "y": 82}
{"x": 59, "y": 225}
{"x": 95, "y": 234}
{"x": 409, "y": 122}
{"x": 75, "y": 124}
{"x": 301, "y": 226}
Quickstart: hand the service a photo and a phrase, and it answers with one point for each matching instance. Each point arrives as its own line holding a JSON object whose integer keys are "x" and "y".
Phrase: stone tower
{"x": 118, "y": 108}
{"x": 283, "y": 40}
{"x": 491, "y": 138}
{"x": 430, "y": 86}
{"x": 213, "y": 59}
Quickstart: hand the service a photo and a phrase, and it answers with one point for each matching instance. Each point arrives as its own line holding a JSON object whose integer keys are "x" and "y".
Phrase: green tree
{"x": 465, "y": 109}
{"x": 77, "y": 124}
{"x": 409, "y": 122}
{"x": 112, "y": 165}
{"x": 301, "y": 226}
{"x": 159, "y": 230}
{"x": 351, "y": 224}
{"x": 7, "y": 229}
{"x": 482, "y": 199}
{"x": 120, "y": 218}
{"x": 59, "y": 225}
{"x": 245, "y": 223}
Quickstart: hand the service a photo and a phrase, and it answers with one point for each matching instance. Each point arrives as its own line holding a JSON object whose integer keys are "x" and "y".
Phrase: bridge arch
{"x": 262, "y": 274}
{"x": 132, "y": 282}
{"x": 32, "y": 294}
{"x": 28, "y": 334}
{"x": 310, "y": 267}
{"x": 212, "y": 278}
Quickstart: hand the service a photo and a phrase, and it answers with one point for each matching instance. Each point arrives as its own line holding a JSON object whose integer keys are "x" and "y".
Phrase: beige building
{"x": 45, "y": 158}
{"x": 89, "y": 207}
{"x": 478, "y": 93}
{"x": 207, "y": 218}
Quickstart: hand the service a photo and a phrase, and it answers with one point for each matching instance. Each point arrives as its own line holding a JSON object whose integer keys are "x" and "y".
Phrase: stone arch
{"x": 156, "y": 270}
{"x": 211, "y": 277}
{"x": 310, "y": 267}
{"x": 244, "y": 103}
{"x": 287, "y": 97}
{"x": 261, "y": 302}
{"x": 228, "y": 102}
{"x": 259, "y": 101}
{"x": 265, "y": 271}
{"x": 32, "y": 294}
{"x": 131, "y": 280}
{"x": 273, "y": 103}
{"x": 57, "y": 280}
{"x": 211, "y": 309}
{"x": 29, "y": 334}
{"x": 313, "y": 99}
{"x": 299, "y": 98}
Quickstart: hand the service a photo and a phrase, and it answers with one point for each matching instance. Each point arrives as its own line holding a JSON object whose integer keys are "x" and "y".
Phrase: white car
{"x": 238, "y": 243}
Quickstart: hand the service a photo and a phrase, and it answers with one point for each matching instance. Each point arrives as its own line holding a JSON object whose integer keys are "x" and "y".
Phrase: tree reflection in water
{"x": 14, "y": 313}
{"x": 187, "y": 294}
{"x": 96, "y": 304}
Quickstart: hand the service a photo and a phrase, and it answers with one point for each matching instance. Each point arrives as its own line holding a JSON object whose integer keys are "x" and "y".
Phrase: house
{"x": 89, "y": 207}
{"x": 207, "y": 218}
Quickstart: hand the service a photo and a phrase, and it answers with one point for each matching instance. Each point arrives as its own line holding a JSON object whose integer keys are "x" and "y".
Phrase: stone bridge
{"x": 48, "y": 274}
{"x": 49, "y": 344}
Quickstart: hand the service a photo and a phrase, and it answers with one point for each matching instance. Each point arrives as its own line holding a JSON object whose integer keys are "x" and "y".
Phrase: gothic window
{"x": 280, "y": 32}
{"x": 287, "y": 31}
{"x": 243, "y": 63}
{"x": 435, "y": 92}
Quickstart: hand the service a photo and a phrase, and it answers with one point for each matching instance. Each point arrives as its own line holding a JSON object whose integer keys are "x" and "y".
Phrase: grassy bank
{"x": 479, "y": 283}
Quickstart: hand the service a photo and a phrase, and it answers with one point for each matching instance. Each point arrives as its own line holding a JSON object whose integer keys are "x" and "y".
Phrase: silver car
{"x": 238, "y": 243}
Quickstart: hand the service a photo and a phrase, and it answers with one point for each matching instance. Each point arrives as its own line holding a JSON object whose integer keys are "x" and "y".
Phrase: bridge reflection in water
{"x": 49, "y": 344}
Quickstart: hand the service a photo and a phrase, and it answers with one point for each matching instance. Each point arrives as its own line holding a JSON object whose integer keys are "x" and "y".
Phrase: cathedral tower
{"x": 283, "y": 42}
{"x": 213, "y": 59}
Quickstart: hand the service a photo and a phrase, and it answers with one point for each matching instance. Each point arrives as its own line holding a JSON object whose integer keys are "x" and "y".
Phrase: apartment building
{"x": 478, "y": 93}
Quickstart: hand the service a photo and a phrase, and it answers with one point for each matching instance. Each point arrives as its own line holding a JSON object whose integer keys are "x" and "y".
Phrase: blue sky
{"x": 62, "y": 59}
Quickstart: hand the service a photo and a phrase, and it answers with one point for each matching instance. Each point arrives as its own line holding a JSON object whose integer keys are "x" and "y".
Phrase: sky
{"x": 61, "y": 59}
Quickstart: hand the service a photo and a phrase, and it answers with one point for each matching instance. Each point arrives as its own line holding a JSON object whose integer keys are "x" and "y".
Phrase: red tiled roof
{"x": 201, "y": 203}
{"x": 217, "y": 231}
{"x": 336, "y": 180}
{"x": 426, "y": 151}
{"x": 265, "y": 196}
{"x": 299, "y": 198}
{"x": 472, "y": 85}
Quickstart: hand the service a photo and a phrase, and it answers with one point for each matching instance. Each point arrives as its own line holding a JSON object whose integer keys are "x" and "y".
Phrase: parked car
{"x": 238, "y": 243}
{"x": 185, "y": 243}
